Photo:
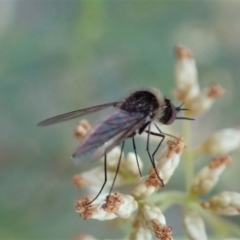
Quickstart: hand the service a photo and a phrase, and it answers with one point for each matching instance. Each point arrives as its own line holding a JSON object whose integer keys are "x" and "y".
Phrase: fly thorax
{"x": 144, "y": 102}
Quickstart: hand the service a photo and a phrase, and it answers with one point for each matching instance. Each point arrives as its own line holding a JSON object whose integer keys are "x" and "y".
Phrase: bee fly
{"x": 133, "y": 115}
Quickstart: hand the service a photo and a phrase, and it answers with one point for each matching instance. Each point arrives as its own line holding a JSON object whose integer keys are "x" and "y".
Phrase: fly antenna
{"x": 178, "y": 109}
{"x": 185, "y": 118}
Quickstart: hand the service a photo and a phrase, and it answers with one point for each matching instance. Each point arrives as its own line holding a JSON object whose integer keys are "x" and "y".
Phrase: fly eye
{"x": 170, "y": 113}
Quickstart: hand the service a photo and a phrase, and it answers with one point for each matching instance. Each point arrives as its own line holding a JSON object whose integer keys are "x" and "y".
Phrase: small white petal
{"x": 151, "y": 212}
{"x": 129, "y": 206}
{"x": 194, "y": 226}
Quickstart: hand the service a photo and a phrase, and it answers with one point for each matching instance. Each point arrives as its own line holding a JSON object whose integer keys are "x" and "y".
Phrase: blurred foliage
{"x": 58, "y": 56}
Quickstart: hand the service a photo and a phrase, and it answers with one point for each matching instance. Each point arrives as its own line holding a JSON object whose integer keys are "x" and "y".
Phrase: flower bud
{"x": 185, "y": 75}
{"x": 156, "y": 222}
{"x": 121, "y": 205}
{"x": 93, "y": 211}
{"x": 194, "y": 226}
{"x": 151, "y": 212}
{"x": 82, "y": 129}
{"x": 223, "y": 141}
{"x": 169, "y": 158}
{"x": 79, "y": 181}
{"x": 204, "y": 101}
{"x": 147, "y": 186}
{"x": 225, "y": 203}
{"x": 208, "y": 177}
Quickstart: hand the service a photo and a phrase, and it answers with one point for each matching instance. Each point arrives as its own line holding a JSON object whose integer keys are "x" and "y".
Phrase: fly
{"x": 133, "y": 115}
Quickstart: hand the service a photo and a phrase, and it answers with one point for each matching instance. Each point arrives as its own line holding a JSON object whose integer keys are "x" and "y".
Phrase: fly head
{"x": 169, "y": 113}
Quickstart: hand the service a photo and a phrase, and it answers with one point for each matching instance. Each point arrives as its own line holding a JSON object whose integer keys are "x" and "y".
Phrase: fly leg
{"x": 105, "y": 178}
{"x": 135, "y": 151}
{"x": 117, "y": 169}
{"x": 151, "y": 157}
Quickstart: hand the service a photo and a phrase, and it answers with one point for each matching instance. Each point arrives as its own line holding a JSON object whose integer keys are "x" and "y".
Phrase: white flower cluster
{"x": 147, "y": 219}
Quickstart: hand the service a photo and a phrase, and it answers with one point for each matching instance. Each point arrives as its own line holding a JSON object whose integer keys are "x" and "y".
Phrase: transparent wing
{"x": 75, "y": 114}
{"x": 107, "y": 135}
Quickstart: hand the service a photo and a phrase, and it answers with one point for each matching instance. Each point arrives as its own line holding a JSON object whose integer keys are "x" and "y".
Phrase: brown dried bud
{"x": 220, "y": 161}
{"x": 175, "y": 146}
{"x": 78, "y": 181}
{"x": 153, "y": 180}
{"x": 113, "y": 203}
{"x": 82, "y": 129}
{"x": 85, "y": 210}
{"x": 161, "y": 231}
{"x": 183, "y": 52}
{"x": 215, "y": 90}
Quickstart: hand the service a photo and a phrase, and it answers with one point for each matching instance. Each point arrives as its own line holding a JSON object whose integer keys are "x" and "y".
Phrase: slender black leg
{"x": 165, "y": 134}
{"x": 159, "y": 135}
{"x": 160, "y": 143}
{"x": 117, "y": 169}
{"x": 135, "y": 151}
{"x": 151, "y": 159}
{"x": 148, "y": 137}
{"x": 105, "y": 178}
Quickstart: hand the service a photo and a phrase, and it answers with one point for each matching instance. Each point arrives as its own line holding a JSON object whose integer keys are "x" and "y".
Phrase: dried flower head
{"x": 122, "y": 205}
{"x": 161, "y": 231}
{"x": 84, "y": 209}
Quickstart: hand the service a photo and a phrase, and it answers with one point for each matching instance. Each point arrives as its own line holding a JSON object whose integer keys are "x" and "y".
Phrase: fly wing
{"x": 107, "y": 135}
{"x": 75, "y": 114}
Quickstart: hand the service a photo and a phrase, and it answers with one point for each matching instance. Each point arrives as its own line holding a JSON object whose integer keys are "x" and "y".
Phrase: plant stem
{"x": 187, "y": 157}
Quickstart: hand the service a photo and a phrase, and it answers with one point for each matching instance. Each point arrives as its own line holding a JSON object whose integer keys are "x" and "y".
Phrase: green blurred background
{"x": 58, "y": 56}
